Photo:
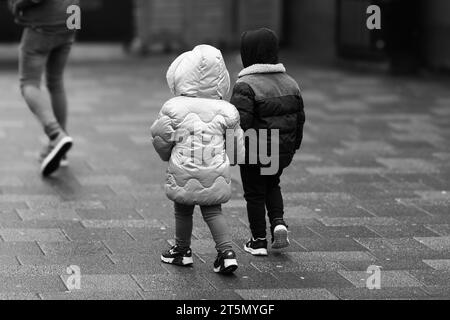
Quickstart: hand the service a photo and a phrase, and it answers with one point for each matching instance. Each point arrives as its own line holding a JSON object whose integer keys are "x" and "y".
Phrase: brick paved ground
{"x": 370, "y": 187}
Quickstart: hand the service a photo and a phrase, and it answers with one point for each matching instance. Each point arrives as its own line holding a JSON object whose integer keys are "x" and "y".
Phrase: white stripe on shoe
{"x": 51, "y": 163}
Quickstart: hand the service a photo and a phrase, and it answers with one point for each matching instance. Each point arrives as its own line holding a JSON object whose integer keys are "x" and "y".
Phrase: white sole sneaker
{"x": 256, "y": 252}
{"x": 280, "y": 235}
{"x": 230, "y": 265}
{"x": 52, "y": 162}
{"x": 64, "y": 163}
{"x": 186, "y": 261}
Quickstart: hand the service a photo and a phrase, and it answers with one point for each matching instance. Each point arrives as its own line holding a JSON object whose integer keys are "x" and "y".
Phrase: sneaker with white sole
{"x": 178, "y": 256}
{"x": 57, "y": 149}
{"x": 256, "y": 247}
{"x": 226, "y": 262}
{"x": 280, "y": 237}
{"x": 64, "y": 162}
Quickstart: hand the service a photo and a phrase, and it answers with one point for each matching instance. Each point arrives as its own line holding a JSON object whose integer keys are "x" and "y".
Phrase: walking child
{"x": 267, "y": 99}
{"x": 45, "y": 47}
{"x": 190, "y": 134}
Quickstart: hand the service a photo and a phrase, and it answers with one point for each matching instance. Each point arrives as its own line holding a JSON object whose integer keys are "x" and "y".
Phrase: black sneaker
{"x": 178, "y": 256}
{"x": 256, "y": 247}
{"x": 226, "y": 262}
{"x": 57, "y": 149}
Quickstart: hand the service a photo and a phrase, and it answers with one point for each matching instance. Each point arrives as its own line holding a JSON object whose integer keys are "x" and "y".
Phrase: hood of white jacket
{"x": 199, "y": 73}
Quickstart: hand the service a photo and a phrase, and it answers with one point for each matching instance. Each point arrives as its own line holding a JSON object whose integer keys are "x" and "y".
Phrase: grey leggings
{"x": 213, "y": 217}
{"x": 47, "y": 53}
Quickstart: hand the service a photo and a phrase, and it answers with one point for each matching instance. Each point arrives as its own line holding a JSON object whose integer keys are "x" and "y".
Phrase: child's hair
{"x": 259, "y": 46}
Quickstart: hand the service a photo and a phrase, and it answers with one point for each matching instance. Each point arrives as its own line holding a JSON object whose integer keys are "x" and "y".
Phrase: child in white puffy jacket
{"x": 190, "y": 133}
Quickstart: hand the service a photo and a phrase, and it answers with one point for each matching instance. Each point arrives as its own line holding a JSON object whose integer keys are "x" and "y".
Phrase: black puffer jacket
{"x": 266, "y": 97}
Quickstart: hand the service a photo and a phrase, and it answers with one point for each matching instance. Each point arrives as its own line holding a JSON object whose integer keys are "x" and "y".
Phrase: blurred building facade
{"x": 413, "y": 31}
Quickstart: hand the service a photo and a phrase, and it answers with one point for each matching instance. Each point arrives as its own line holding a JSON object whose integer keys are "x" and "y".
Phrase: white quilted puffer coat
{"x": 190, "y": 130}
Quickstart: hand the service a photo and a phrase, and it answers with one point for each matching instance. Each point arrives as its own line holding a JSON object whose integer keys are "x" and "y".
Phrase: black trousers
{"x": 262, "y": 192}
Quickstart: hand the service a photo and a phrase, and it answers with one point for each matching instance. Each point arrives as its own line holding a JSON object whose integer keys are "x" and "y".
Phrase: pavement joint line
{"x": 400, "y": 200}
{"x": 137, "y": 282}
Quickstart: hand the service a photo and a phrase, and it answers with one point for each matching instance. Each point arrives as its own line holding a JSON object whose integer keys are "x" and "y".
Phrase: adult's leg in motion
{"x": 56, "y": 64}
{"x": 33, "y": 55}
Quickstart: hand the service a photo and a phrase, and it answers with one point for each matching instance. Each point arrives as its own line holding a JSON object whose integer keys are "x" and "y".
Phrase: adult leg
{"x": 255, "y": 193}
{"x": 33, "y": 53}
{"x": 183, "y": 225}
{"x": 217, "y": 224}
{"x": 56, "y": 64}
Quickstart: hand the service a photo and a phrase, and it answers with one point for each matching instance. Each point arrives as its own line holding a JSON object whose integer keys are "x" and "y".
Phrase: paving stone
{"x": 104, "y": 180}
{"x": 432, "y": 277}
{"x": 44, "y": 235}
{"x": 336, "y": 244}
{"x": 84, "y": 234}
{"x": 438, "y": 291}
{"x": 312, "y": 280}
{"x": 440, "y": 229}
{"x": 18, "y": 248}
{"x": 286, "y": 294}
{"x": 344, "y": 231}
{"x": 122, "y": 223}
{"x": 8, "y": 261}
{"x": 49, "y": 214}
{"x": 343, "y": 170}
{"x": 399, "y": 248}
{"x": 443, "y": 265}
{"x": 197, "y": 295}
{"x": 407, "y": 165}
{"x": 172, "y": 282}
{"x": 402, "y": 231}
{"x": 90, "y": 264}
{"x": 19, "y": 296}
{"x": 105, "y": 214}
{"x": 136, "y": 247}
{"x": 394, "y": 264}
{"x": 441, "y": 244}
{"x": 91, "y": 295}
{"x": 381, "y": 294}
{"x": 391, "y": 209}
{"x": 143, "y": 264}
{"x": 243, "y": 280}
{"x": 297, "y": 266}
{"x": 332, "y": 256}
{"x": 360, "y": 221}
{"x": 31, "y": 284}
{"x": 74, "y": 248}
{"x": 105, "y": 283}
{"x": 388, "y": 278}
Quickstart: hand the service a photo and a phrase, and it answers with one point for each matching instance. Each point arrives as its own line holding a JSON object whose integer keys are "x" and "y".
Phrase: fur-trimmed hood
{"x": 262, "y": 68}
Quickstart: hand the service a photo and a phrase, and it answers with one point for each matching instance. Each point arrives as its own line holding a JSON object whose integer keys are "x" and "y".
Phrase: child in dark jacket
{"x": 267, "y": 99}
{"x": 45, "y": 47}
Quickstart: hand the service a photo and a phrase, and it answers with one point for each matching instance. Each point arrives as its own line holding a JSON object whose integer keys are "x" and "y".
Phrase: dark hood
{"x": 259, "y": 47}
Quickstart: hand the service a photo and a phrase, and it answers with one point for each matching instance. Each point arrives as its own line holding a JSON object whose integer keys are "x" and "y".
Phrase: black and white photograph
{"x": 225, "y": 156}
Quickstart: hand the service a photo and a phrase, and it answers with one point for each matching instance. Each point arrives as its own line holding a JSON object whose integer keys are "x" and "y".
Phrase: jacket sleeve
{"x": 163, "y": 136}
{"x": 234, "y": 136}
{"x": 236, "y": 146}
{"x": 301, "y": 118}
{"x": 243, "y": 99}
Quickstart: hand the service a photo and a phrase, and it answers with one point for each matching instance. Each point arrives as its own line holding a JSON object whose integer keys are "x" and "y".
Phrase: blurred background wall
{"x": 415, "y": 32}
